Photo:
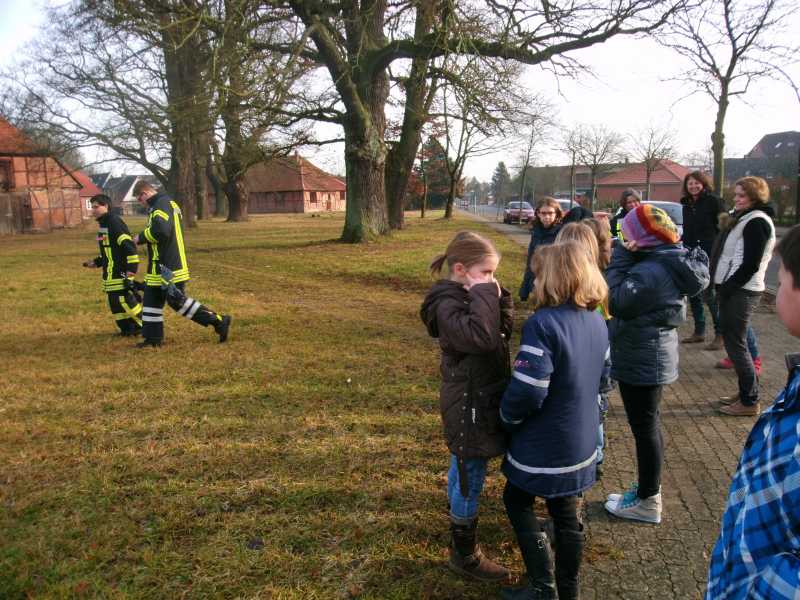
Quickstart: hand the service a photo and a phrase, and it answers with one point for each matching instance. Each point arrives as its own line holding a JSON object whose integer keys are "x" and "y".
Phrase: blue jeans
{"x": 696, "y": 304}
{"x": 752, "y": 343}
{"x": 462, "y": 508}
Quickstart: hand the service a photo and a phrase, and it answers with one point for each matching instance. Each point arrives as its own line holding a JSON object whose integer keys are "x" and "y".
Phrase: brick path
{"x": 639, "y": 561}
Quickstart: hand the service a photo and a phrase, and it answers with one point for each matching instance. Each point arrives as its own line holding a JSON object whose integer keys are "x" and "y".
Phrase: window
{"x": 5, "y": 175}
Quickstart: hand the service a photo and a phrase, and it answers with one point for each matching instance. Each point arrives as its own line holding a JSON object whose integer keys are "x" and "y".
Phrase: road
{"x": 521, "y": 235}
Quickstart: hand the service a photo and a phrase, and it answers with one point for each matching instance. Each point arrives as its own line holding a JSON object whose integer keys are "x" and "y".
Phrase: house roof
{"x": 776, "y": 145}
{"x": 13, "y": 141}
{"x": 633, "y": 175}
{"x": 117, "y": 188}
{"x": 88, "y": 188}
{"x": 291, "y": 173}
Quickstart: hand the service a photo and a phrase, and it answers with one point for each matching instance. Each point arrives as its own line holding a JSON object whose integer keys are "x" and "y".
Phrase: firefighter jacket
{"x": 118, "y": 255}
{"x": 164, "y": 238}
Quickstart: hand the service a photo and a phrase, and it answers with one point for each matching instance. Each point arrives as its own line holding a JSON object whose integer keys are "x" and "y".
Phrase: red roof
{"x": 635, "y": 175}
{"x": 291, "y": 173}
{"x": 13, "y": 141}
{"x": 88, "y": 189}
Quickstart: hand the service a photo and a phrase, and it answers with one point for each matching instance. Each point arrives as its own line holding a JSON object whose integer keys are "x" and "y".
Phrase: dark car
{"x": 518, "y": 212}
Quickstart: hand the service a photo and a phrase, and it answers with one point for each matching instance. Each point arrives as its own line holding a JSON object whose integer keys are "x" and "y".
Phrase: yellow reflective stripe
{"x": 131, "y": 313}
{"x": 179, "y": 238}
{"x": 110, "y": 267}
{"x": 121, "y": 316}
{"x": 160, "y": 213}
{"x": 149, "y": 236}
{"x": 123, "y": 237}
{"x": 133, "y": 258}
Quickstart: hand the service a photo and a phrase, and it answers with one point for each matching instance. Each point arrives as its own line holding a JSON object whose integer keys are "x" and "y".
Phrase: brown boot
{"x": 728, "y": 400}
{"x": 737, "y": 409}
{"x": 695, "y": 338}
{"x": 716, "y": 343}
{"x": 466, "y": 557}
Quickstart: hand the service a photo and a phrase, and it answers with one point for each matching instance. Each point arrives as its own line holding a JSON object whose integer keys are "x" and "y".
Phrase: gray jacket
{"x": 646, "y": 300}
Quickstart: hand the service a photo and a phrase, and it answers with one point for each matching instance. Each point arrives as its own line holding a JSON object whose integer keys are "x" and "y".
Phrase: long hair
{"x": 602, "y": 232}
{"x": 552, "y": 203}
{"x": 699, "y": 176}
{"x": 627, "y": 193}
{"x": 565, "y": 273}
{"x": 584, "y": 236}
{"x": 467, "y": 248}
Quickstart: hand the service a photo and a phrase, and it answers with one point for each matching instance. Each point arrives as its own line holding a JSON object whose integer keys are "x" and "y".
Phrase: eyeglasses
{"x": 547, "y": 212}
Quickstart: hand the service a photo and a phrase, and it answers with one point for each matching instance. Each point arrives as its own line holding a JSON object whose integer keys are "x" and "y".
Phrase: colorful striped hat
{"x": 649, "y": 226}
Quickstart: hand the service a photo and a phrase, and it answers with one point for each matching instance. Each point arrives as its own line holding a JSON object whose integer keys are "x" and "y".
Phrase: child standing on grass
{"x": 471, "y": 315}
{"x": 550, "y": 408}
{"x": 757, "y": 554}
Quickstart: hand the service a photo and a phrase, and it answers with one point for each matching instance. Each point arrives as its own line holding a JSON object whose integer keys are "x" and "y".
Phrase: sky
{"x": 629, "y": 91}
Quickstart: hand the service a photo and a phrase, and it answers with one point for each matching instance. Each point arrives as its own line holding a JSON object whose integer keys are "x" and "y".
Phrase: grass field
{"x": 303, "y": 459}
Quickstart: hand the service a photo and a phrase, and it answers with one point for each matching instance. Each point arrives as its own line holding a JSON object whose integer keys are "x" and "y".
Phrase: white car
{"x": 673, "y": 209}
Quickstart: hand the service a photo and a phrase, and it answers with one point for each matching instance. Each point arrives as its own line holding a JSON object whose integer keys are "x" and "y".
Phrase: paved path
{"x": 631, "y": 561}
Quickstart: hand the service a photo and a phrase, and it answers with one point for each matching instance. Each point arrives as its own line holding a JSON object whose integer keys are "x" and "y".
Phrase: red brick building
{"x": 293, "y": 185}
{"x": 666, "y": 182}
{"x": 37, "y": 193}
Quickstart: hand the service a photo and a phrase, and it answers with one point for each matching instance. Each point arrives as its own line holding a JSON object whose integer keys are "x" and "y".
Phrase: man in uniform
{"x": 167, "y": 255}
{"x": 119, "y": 261}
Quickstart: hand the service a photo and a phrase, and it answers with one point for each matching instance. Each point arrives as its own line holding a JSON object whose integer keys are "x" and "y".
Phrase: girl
{"x": 545, "y": 225}
{"x": 594, "y": 236}
{"x": 739, "y": 266}
{"x": 471, "y": 316}
{"x": 550, "y": 408}
{"x": 647, "y": 279}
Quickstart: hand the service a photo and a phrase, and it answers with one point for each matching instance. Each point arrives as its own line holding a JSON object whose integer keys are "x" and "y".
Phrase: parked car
{"x": 673, "y": 209}
{"x": 518, "y": 212}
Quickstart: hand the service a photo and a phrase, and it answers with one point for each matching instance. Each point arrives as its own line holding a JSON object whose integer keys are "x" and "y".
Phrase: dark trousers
{"x": 153, "y": 310}
{"x": 641, "y": 406}
{"x": 696, "y": 303}
{"x": 736, "y": 312}
{"x": 127, "y": 310}
{"x": 519, "y": 507}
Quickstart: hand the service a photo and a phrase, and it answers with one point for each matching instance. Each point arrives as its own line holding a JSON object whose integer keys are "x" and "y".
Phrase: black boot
{"x": 569, "y": 550}
{"x": 538, "y": 559}
{"x": 222, "y": 327}
{"x": 466, "y": 557}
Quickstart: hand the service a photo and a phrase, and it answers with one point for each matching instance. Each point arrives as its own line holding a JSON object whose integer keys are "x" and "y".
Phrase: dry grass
{"x": 303, "y": 459}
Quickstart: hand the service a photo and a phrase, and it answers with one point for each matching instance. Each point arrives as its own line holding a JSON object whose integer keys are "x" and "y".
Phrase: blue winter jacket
{"x": 646, "y": 298}
{"x": 539, "y": 237}
{"x": 550, "y": 406}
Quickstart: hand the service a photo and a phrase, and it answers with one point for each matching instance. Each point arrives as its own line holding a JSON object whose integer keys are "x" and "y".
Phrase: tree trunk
{"x": 718, "y": 142}
{"x": 365, "y": 213}
{"x": 236, "y": 190}
{"x": 594, "y": 190}
{"x": 648, "y": 175}
{"x": 216, "y": 185}
{"x": 451, "y": 198}
{"x": 200, "y": 179}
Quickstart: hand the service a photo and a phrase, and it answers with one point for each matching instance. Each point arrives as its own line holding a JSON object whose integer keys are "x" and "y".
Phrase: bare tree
{"x": 731, "y": 45}
{"x": 536, "y": 125}
{"x": 359, "y": 42}
{"x": 572, "y": 142}
{"x": 599, "y": 149}
{"x": 650, "y": 147}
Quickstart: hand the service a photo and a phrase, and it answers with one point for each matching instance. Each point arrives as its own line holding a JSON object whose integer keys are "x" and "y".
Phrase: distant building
{"x": 37, "y": 192}
{"x": 120, "y": 190}
{"x": 88, "y": 190}
{"x": 666, "y": 182}
{"x": 292, "y": 184}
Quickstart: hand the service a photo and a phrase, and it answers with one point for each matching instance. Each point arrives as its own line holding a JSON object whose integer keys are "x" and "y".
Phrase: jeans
{"x": 696, "y": 304}
{"x": 461, "y": 508}
{"x": 736, "y": 311}
{"x": 519, "y": 508}
{"x": 752, "y": 343}
{"x": 641, "y": 406}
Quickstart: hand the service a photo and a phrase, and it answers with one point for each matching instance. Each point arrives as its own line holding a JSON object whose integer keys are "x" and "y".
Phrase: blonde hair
{"x": 565, "y": 273}
{"x": 756, "y": 189}
{"x": 584, "y": 236}
{"x": 467, "y": 248}
{"x": 602, "y": 231}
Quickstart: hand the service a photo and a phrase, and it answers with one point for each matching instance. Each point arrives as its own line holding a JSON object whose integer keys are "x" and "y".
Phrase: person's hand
{"x": 631, "y": 245}
{"x": 89, "y": 264}
{"x": 481, "y": 279}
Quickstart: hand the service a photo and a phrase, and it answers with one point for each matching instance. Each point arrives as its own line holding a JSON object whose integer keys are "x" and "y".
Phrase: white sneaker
{"x": 636, "y": 509}
{"x": 631, "y": 491}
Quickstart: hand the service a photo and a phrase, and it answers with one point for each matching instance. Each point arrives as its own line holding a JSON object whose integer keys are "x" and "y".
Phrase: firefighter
{"x": 164, "y": 238}
{"x": 119, "y": 261}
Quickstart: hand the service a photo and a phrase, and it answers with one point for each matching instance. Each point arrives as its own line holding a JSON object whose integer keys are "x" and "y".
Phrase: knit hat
{"x": 649, "y": 226}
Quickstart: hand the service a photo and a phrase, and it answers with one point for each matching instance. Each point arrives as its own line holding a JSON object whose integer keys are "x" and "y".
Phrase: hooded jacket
{"x": 540, "y": 236}
{"x": 646, "y": 296}
{"x": 473, "y": 328}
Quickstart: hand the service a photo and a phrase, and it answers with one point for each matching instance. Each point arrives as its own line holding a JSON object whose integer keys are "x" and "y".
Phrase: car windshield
{"x": 513, "y": 205}
{"x": 526, "y": 206}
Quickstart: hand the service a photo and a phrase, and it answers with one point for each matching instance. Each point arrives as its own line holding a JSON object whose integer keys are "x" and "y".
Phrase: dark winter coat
{"x": 701, "y": 220}
{"x": 550, "y": 406}
{"x": 473, "y": 328}
{"x": 616, "y": 222}
{"x": 118, "y": 255}
{"x": 539, "y": 237}
{"x": 646, "y": 297}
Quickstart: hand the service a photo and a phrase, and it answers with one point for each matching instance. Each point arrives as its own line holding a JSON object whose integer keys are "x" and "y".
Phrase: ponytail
{"x": 437, "y": 265}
